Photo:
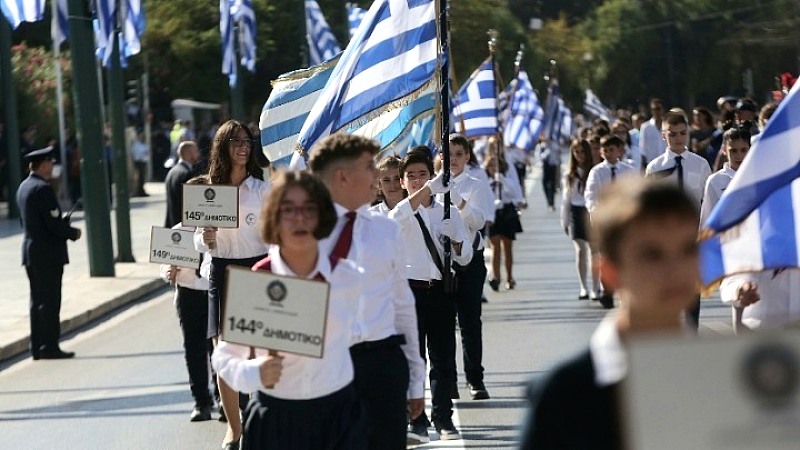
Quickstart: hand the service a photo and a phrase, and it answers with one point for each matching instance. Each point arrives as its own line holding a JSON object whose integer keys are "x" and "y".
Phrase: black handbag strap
{"x": 429, "y": 243}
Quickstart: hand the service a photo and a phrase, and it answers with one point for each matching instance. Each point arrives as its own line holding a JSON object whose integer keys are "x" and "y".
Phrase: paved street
{"x": 127, "y": 388}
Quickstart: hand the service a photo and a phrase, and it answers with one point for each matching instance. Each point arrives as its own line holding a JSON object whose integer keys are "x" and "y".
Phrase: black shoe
{"x": 511, "y": 284}
{"x": 494, "y": 284}
{"x": 483, "y": 300}
{"x": 454, "y": 394}
{"x": 417, "y": 433}
{"x": 232, "y": 445}
{"x": 478, "y": 391}
{"x": 583, "y": 297}
{"x": 607, "y": 301}
{"x": 447, "y": 431}
{"x": 54, "y": 354}
{"x": 200, "y": 414}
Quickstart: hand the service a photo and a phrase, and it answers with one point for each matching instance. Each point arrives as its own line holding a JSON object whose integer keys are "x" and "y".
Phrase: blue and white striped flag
{"x": 476, "y": 103}
{"x": 244, "y": 16}
{"x": 354, "y": 17}
{"x": 391, "y": 60}
{"x": 229, "y": 66}
{"x": 18, "y": 11}
{"x": 59, "y": 26}
{"x": 133, "y": 25}
{"x": 552, "y": 115}
{"x": 565, "y": 118}
{"x": 524, "y": 116}
{"x": 756, "y": 223}
{"x": 594, "y": 107}
{"x": 292, "y": 97}
{"x": 322, "y": 44}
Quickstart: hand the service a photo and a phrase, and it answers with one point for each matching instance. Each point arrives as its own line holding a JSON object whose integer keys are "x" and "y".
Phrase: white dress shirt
{"x": 599, "y": 176}
{"x": 695, "y": 172}
{"x": 385, "y": 304}
{"x": 302, "y": 377}
{"x": 572, "y": 195}
{"x": 633, "y": 157}
{"x": 651, "y": 144}
{"x": 187, "y": 277}
{"x": 608, "y": 355}
{"x": 477, "y": 172}
{"x": 779, "y": 305}
{"x": 418, "y": 261}
{"x": 507, "y": 189}
{"x": 478, "y": 204}
{"x": 380, "y": 208}
{"x": 715, "y": 186}
{"x": 245, "y": 241}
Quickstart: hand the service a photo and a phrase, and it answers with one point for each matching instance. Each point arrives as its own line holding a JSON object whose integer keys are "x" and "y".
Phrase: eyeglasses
{"x": 293, "y": 211}
{"x": 240, "y": 142}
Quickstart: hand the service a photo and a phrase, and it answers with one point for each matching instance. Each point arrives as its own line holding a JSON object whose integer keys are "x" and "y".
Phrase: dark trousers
{"x": 549, "y": 182}
{"x": 381, "y": 380}
{"x": 436, "y": 321}
{"x": 192, "y": 308}
{"x": 693, "y": 315}
{"x": 468, "y": 309}
{"x": 45, "y": 306}
{"x": 141, "y": 176}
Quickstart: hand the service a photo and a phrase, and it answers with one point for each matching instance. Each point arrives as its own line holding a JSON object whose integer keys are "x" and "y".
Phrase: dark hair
{"x": 767, "y": 111}
{"x": 271, "y": 210}
{"x": 492, "y": 153}
{"x": 340, "y": 147}
{"x": 630, "y": 200}
{"x": 219, "y": 168}
{"x": 417, "y": 155}
{"x": 612, "y": 139}
{"x": 572, "y": 174}
{"x": 735, "y": 133}
{"x": 674, "y": 116}
{"x": 706, "y": 113}
{"x": 458, "y": 139}
{"x": 200, "y": 179}
{"x": 656, "y": 100}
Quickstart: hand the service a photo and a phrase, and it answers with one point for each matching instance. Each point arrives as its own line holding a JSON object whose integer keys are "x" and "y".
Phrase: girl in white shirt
{"x": 390, "y": 191}
{"x": 300, "y": 402}
{"x": 574, "y": 216}
{"x": 232, "y": 162}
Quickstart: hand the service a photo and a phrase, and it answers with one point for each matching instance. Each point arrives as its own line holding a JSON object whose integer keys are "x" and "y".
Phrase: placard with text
{"x": 174, "y": 247}
{"x": 210, "y": 206}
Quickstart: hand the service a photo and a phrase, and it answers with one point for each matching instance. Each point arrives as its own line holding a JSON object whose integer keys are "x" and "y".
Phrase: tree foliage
{"x": 33, "y": 69}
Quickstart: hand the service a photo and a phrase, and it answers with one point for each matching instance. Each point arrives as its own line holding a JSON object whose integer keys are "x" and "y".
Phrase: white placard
{"x": 174, "y": 247}
{"x": 275, "y": 312}
{"x": 210, "y": 206}
{"x": 714, "y": 393}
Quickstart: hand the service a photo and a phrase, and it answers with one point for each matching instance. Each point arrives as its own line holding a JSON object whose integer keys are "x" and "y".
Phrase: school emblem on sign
{"x": 209, "y": 194}
{"x": 250, "y": 219}
{"x": 772, "y": 375}
{"x": 176, "y": 237}
{"x": 276, "y": 291}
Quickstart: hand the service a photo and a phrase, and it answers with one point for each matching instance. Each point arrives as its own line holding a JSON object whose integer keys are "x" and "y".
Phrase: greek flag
{"x": 593, "y": 106}
{"x": 756, "y": 223}
{"x": 292, "y": 97}
{"x": 133, "y": 25}
{"x": 354, "y": 17}
{"x": 565, "y": 120}
{"x": 322, "y": 44}
{"x": 524, "y": 116}
{"x": 229, "y": 66}
{"x": 244, "y": 15}
{"x": 391, "y": 60}
{"x": 476, "y": 103}
{"x": 59, "y": 26}
{"x": 18, "y": 11}
{"x": 552, "y": 118}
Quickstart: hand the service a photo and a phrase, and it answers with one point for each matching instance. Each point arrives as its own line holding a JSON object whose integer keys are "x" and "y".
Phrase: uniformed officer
{"x": 44, "y": 253}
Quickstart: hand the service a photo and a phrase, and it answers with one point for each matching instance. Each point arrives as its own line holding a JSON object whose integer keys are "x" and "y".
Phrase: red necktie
{"x": 342, "y": 247}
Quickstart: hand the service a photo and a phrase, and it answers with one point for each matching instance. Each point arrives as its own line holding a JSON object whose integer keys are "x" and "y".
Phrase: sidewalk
{"x": 84, "y": 298}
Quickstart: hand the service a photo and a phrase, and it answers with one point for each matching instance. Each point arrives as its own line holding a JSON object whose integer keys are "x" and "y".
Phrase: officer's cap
{"x": 38, "y": 155}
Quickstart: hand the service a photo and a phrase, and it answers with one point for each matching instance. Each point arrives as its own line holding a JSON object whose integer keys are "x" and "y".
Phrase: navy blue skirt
{"x": 333, "y": 422}
{"x": 578, "y": 218}
{"x": 216, "y": 289}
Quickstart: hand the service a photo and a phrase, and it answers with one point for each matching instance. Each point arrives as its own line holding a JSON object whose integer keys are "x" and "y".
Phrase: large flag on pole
{"x": 18, "y": 11}
{"x": 133, "y": 28}
{"x": 594, "y": 107}
{"x": 390, "y": 61}
{"x": 476, "y": 103}
{"x": 322, "y": 44}
{"x": 354, "y": 17}
{"x": 245, "y": 17}
{"x": 59, "y": 26}
{"x": 229, "y": 66}
{"x": 292, "y": 97}
{"x": 524, "y": 116}
{"x": 565, "y": 120}
{"x": 131, "y": 16}
{"x": 756, "y": 223}
{"x": 552, "y": 117}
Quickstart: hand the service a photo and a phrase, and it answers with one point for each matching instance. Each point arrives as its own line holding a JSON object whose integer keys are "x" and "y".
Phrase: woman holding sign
{"x": 232, "y": 162}
{"x": 301, "y": 402}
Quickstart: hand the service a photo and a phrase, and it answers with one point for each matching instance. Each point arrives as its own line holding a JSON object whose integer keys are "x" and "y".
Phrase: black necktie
{"x": 613, "y": 173}
{"x": 679, "y": 168}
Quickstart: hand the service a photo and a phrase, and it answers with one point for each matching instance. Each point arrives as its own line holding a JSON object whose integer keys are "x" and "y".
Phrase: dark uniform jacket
{"x": 46, "y": 233}
{"x": 569, "y": 411}
{"x": 179, "y": 174}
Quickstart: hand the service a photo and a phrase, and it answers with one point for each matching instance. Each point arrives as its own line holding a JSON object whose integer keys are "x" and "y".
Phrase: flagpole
{"x": 62, "y": 138}
{"x": 444, "y": 95}
{"x": 492, "y": 47}
{"x": 517, "y": 64}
